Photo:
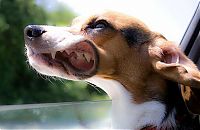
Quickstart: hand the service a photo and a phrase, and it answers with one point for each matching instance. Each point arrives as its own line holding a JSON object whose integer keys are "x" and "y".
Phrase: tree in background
{"x": 18, "y": 83}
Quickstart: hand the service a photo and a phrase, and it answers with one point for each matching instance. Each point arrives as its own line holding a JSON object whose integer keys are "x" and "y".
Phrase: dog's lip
{"x": 71, "y": 66}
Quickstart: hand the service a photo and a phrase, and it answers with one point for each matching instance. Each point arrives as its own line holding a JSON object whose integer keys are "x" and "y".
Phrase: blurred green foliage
{"x": 19, "y": 83}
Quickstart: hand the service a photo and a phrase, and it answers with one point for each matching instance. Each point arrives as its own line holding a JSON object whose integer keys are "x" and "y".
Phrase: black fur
{"x": 184, "y": 119}
{"x": 135, "y": 36}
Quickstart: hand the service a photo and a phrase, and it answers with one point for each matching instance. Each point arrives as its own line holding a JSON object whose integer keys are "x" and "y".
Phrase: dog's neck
{"x": 128, "y": 114}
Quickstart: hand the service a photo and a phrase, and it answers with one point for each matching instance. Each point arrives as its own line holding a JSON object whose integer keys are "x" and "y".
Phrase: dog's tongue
{"x": 81, "y": 61}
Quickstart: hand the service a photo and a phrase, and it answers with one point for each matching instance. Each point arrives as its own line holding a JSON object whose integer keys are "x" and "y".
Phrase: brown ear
{"x": 170, "y": 62}
{"x": 191, "y": 97}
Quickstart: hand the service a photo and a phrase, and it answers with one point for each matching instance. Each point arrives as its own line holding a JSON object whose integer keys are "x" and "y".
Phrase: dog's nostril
{"x": 34, "y": 31}
{"x": 29, "y": 33}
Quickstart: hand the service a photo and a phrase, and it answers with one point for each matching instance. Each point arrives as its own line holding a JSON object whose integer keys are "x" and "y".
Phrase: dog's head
{"x": 110, "y": 45}
{"x": 94, "y": 45}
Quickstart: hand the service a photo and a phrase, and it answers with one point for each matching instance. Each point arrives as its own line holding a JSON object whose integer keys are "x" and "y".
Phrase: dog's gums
{"x": 80, "y": 57}
{"x": 78, "y": 60}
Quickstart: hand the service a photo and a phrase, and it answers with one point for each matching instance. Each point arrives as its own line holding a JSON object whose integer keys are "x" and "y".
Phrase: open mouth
{"x": 80, "y": 59}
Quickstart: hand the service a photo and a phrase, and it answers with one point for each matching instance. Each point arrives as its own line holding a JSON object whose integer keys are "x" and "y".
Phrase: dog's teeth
{"x": 62, "y": 50}
{"x": 79, "y": 55}
{"x": 67, "y": 52}
{"x": 87, "y": 57}
{"x": 83, "y": 56}
{"x": 53, "y": 54}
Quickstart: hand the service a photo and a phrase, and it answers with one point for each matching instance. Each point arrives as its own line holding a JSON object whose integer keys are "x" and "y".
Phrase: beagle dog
{"x": 152, "y": 84}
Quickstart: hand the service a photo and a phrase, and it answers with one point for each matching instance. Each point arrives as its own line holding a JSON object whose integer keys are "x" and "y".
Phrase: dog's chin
{"x": 79, "y": 61}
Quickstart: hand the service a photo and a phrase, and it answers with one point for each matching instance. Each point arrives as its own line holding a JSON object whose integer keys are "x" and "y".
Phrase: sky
{"x": 168, "y": 17}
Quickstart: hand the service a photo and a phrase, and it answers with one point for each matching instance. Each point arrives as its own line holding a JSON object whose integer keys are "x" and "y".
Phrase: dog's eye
{"x": 100, "y": 25}
{"x": 95, "y": 27}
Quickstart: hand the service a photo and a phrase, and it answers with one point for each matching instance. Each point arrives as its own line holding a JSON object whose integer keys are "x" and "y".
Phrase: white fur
{"x": 55, "y": 39}
{"x": 38, "y": 64}
{"x": 128, "y": 115}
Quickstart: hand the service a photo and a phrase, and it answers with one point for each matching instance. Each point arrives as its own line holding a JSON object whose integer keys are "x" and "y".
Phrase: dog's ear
{"x": 191, "y": 97}
{"x": 170, "y": 62}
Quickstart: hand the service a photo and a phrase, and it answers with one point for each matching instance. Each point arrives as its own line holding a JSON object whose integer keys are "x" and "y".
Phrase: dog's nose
{"x": 34, "y": 31}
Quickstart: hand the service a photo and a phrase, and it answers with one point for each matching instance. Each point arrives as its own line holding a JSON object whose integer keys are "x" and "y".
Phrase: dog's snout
{"x": 34, "y": 31}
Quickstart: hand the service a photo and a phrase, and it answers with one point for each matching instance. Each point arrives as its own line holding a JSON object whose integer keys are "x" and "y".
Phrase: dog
{"x": 152, "y": 84}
